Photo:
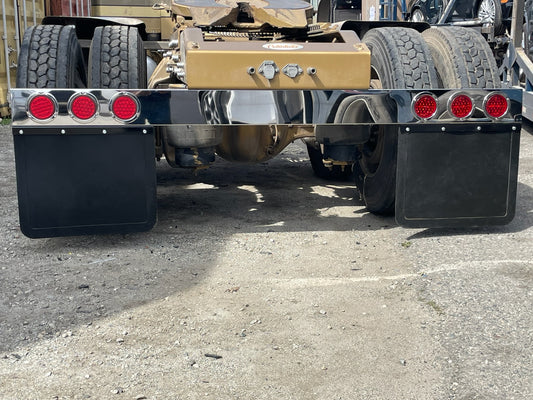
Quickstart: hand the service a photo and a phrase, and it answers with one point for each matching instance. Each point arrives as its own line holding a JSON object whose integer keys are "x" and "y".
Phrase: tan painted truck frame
{"x": 436, "y": 142}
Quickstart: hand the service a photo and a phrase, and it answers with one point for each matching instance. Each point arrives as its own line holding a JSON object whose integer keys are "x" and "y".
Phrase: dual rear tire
{"x": 465, "y": 58}
{"x": 400, "y": 60}
{"x": 403, "y": 59}
{"x": 117, "y": 59}
{"x": 51, "y": 57}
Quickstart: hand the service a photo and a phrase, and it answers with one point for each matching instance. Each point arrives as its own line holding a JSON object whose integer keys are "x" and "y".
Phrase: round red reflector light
{"x": 83, "y": 107}
{"x": 496, "y": 105}
{"x": 125, "y": 107}
{"x": 42, "y": 107}
{"x": 461, "y": 106}
{"x": 425, "y": 106}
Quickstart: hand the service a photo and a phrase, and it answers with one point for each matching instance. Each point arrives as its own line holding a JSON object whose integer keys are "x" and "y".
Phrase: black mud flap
{"x": 76, "y": 181}
{"x": 461, "y": 177}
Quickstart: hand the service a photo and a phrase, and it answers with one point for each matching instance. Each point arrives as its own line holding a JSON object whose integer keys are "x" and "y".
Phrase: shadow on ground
{"x": 50, "y": 286}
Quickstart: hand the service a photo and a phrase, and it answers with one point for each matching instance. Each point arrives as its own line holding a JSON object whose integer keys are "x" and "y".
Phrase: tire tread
{"x": 407, "y": 51}
{"x": 466, "y": 58}
{"x": 402, "y": 60}
{"x": 49, "y": 57}
{"x": 114, "y": 58}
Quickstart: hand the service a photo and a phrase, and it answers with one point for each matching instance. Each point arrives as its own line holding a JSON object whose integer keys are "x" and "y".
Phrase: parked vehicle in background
{"x": 517, "y": 66}
{"x": 467, "y": 11}
{"x": 425, "y": 10}
{"x": 528, "y": 29}
{"x": 15, "y": 18}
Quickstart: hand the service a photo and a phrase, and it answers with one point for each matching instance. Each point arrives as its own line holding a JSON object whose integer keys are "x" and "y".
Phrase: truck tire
{"x": 323, "y": 13}
{"x": 400, "y": 60}
{"x": 335, "y": 173}
{"x": 117, "y": 59}
{"x": 465, "y": 58}
{"x": 51, "y": 57}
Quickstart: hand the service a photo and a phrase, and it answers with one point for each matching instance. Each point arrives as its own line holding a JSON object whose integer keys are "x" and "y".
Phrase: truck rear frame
{"x": 437, "y": 156}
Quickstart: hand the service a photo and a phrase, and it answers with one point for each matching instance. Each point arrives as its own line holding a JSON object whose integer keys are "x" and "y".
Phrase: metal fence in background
{"x": 83, "y": 6}
{"x": 17, "y": 16}
{"x": 22, "y": 14}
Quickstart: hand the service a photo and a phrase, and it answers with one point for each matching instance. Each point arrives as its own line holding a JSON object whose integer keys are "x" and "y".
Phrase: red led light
{"x": 42, "y": 107}
{"x": 83, "y": 107}
{"x": 496, "y": 105}
{"x": 125, "y": 107}
{"x": 461, "y": 106}
{"x": 425, "y": 106}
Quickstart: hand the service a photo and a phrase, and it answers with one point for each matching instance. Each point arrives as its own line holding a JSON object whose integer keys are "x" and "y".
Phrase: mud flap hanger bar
{"x": 176, "y": 106}
{"x": 449, "y": 173}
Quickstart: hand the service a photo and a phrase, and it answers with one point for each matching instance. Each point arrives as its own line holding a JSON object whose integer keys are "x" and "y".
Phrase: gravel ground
{"x": 263, "y": 282}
